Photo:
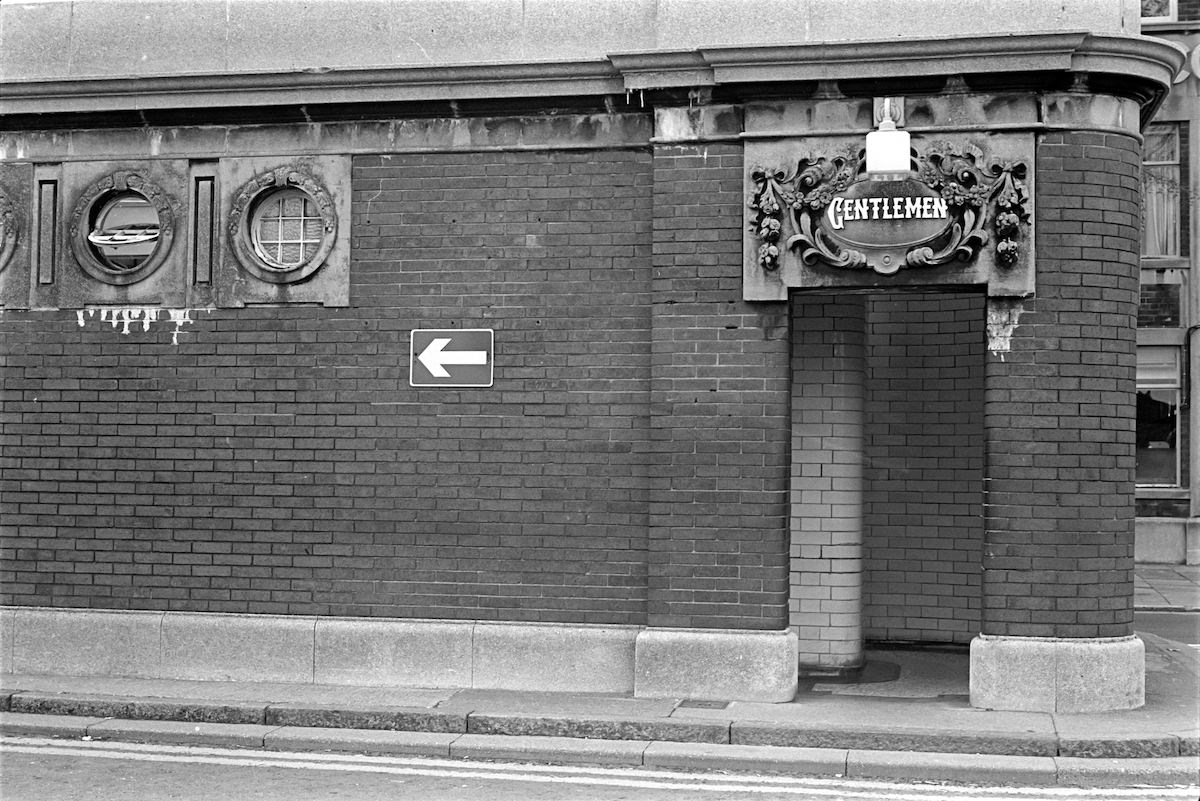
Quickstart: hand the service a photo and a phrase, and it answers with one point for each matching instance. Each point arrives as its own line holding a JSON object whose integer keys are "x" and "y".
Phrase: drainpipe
{"x": 1191, "y": 369}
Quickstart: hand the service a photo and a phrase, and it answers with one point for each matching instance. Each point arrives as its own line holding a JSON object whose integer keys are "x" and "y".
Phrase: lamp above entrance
{"x": 888, "y": 148}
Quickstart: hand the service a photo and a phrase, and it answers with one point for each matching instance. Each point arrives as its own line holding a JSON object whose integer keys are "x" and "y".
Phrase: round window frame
{"x": 258, "y": 210}
{"x": 243, "y": 213}
{"x": 10, "y": 229}
{"x": 90, "y": 203}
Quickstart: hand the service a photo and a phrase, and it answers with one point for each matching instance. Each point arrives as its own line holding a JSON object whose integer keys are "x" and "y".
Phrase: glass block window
{"x": 286, "y": 229}
{"x": 1158, "y": 416}
{"x": 1162, "y": 181}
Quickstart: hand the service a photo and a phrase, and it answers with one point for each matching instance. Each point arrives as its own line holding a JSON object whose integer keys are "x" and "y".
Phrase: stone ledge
{"x": 547, "y": 657}
{"x": 723, "y": 664}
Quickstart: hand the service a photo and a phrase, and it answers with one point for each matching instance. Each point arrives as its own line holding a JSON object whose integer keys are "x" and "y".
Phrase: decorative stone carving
{"x": 838, "y": 217}
{"x": 240, "y": 220}
{"x": 10, "y": 229}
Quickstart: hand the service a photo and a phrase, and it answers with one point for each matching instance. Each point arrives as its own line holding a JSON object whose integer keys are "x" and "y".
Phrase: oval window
{"x": 124, "y": 232}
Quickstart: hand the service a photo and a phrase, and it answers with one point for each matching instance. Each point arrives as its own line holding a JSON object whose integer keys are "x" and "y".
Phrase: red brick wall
{"x": 1059, "y": 414}
{"x": 924, "y": 457}
{"x": 276, "y": 460}
{"x": 719, "y": 400}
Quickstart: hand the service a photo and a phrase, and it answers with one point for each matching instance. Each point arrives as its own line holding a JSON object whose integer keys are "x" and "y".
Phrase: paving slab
{"x": 357, "y": 741}
{"x": 601, "y": 728}
{"x": 939, "y": 724}
{"x": 920, "y": 674}
{"x": 757, "y": 758}
{"x": 992, "y": 769}
{"x": 46, "y": 725}
{"x": 1084, "y": 772}
{"x": 1167, "y": 725}
{"x": 173, "y": 731}
{"x": 568, "y": 750}
{"x": 366, "y": 717}
{"x": 134, "y": 708}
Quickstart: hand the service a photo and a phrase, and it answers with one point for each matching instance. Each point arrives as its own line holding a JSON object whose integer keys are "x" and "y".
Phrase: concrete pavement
{"x": 1167, "y": 588}
{"x": 906, "y": 716}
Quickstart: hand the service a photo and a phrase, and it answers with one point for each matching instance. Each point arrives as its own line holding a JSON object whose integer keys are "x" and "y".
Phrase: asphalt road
{"x": 1183, "y": 627}
{"x": 59, "y": 770}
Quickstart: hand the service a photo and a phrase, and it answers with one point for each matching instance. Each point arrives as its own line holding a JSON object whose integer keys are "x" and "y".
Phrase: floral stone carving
{"x": 830, "y": 213}
{"x": 8, "y": 229}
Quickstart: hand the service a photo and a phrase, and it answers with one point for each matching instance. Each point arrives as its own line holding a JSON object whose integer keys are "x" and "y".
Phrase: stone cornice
{"x": 1142, "y": 59}
{"x": 371, "y": 85}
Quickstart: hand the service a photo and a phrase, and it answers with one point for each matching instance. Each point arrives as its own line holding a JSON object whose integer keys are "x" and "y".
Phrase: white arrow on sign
{"x": 435, "y": 357}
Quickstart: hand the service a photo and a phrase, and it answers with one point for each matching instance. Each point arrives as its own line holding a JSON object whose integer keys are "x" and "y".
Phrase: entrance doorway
{"x": 887, "y": 470}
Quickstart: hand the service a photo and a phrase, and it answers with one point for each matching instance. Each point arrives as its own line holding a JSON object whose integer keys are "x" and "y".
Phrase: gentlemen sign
{"x": 887, "y": 214}
{"x": 960, "y": 216}
{"x": 845, "y": 209}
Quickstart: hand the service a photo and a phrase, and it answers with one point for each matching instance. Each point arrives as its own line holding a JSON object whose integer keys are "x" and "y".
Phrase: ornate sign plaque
{"x": 959, "y": 217}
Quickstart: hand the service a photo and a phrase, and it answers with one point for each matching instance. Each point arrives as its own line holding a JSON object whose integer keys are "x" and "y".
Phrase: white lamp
{"x": 888, "y": 147}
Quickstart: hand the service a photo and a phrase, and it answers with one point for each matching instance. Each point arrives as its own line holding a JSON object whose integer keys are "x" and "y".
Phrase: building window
{"x": 286, "y": 229}
{"x": 1162, "y": 180}
{"x": 125, "y": 231}
{"x": 282, "y": 226}
{"x": 121, "y": 228}
{"x": 1157, "y": 416}
{"x": 1158, "y": 10}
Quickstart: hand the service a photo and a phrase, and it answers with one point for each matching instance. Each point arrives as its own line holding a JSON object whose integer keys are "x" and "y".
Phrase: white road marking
{"x": 862, "y": 790}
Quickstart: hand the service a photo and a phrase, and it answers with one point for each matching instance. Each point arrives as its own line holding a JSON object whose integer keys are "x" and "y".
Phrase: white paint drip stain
{"x": 131, "y": 318}
{"x": 1003, "y": 315}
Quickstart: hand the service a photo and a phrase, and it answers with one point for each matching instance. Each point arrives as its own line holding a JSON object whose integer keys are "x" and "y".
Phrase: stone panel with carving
{"x": 285, "y": 231}
{"x": 816, "y": 219}
{"x": 15, "y": 227}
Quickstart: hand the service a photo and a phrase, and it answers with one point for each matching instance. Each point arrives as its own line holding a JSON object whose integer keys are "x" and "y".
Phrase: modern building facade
{"x": 586, "y": 346}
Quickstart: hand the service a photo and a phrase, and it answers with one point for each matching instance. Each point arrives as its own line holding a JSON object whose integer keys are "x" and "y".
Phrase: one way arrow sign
{"x": 455, "y": 357}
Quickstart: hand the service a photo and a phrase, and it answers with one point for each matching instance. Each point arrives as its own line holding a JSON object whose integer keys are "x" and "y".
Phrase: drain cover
{"x": 697, "y": 703}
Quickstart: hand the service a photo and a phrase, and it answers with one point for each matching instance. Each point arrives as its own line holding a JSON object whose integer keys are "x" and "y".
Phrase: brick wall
{"x": 276, "y": 460}
{"x": 719, "y": 400}
{"x": 829, "y": 388}
{"x": 1059, "y": 413}
{"x": 1189, "y": 10}
{"x": 924, "y": 473}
